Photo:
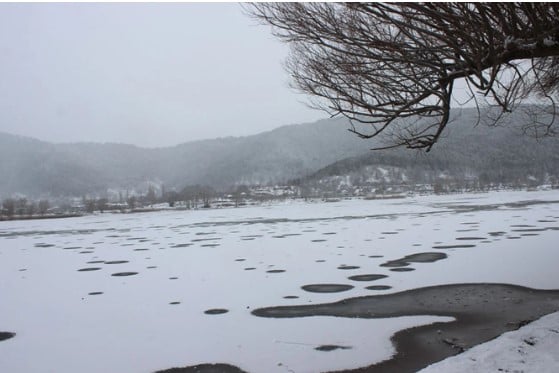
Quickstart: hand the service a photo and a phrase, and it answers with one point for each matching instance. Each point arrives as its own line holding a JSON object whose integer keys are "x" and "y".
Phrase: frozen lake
{"x": 143, "y": 292}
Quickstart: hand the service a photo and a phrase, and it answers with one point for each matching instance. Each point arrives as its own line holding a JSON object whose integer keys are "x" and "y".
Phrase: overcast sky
{"x": 144, "y": 74}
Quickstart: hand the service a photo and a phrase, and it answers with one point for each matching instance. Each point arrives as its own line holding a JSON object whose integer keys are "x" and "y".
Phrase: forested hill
{"x": 34, "y": 167}
{"x": 490, "y": 155}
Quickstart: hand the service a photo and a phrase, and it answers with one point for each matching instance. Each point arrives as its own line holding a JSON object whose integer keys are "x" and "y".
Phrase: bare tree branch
{"x": 392, "y": 66}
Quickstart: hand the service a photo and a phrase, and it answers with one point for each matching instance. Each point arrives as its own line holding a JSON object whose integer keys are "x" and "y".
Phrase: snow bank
{"x": 532, "y": 348}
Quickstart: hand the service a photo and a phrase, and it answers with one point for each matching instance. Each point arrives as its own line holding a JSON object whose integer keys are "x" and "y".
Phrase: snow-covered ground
{"x": 532, "y": 348}
{"x": 127, "y": 293}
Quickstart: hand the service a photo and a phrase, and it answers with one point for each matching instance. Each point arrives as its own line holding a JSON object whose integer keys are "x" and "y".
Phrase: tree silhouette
{"x": 391, "y": 68}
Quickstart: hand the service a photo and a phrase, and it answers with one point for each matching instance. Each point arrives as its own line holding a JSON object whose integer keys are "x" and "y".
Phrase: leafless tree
{"x": 391, "y": 68}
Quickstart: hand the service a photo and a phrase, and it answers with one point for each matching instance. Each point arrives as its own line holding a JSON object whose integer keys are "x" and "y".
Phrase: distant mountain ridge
{"x": 34, "y": 167}
{"x": 302, "y": 152}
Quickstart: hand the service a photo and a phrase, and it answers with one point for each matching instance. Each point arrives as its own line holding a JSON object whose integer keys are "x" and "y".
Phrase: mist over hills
{"x": 305, "y": 153}
{"x": 34, "y": 167}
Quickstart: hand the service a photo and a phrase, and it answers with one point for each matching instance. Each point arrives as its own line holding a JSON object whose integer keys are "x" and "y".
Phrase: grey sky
{"x": 146, "y": 74}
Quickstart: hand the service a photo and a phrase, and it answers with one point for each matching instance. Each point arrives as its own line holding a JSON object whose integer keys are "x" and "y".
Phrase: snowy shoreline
{"x": 532, "y": 348}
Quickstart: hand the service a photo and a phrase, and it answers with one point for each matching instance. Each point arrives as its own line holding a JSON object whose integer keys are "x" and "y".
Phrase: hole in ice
{"x": 216, "y": 311}
{"x": 328, "y": 348}
{"x": 120, "y": 274}
{"x": 369, "y": 277}
{"x": 402, "y": 269}
{"x": 378, "y": 287}
{"x": 326, "y": 288}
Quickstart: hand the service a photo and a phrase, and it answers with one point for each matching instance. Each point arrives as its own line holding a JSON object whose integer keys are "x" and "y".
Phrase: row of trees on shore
{"x": 23, "y": 207}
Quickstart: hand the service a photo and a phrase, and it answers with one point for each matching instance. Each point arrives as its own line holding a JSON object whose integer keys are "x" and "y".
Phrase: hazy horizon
{"x": 151, "y": 75}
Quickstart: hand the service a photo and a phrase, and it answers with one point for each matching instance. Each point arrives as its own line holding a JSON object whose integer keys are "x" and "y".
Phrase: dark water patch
{"x": 308, "y": 230}
{"x": 240, "y": 260}
{"x": 378, "y": 287}
{"x": 173, "y": 278}
{"x": 320, "y": 260}
{"x": 328, "y": 348}
{"x": 248, "y": 239}
{"x": 453, "y": 246}
{"x": 275, "y": 271}
{"x": 43, "y": 245}
{"x": 388, "y": 232}
{"x": 529, "y": 234}
{"x": 151, "y": 267}
{"x": 121, "y": 274}
{"x": 329, "y": 233}
{"x": 210, "y": 245}
{"x": 205, "y": 239}
{"x": 205, "y": 368}
{"x": 522, "y": 226}
{"x": 326, "y": 288}
{"x": 428, "y": 257}
{"x": 470, "y": 223}
{"x": 547, "y": 221}
{"x": 346, "y": 267}
{"x": 466, "y": 230}
{"x": 181, "y": 245}
{"x": 530, "y": 230}
{"x": 252, "y": 236}
{"x": 290, "y": 297}
{"x": 376, "y": 256}
{"x": 95, "y": 261}
{"x": 470, "y": 238}
{"x": 513, "y": 238}
{"x": 216, "y": 311}
{"x": 95, "y": 293}
{"x": 250, "y": 268}
{"x": 86, "y": 252}
{"x": 97, "y": 243}
{"x": 88, "y": 269}
{"x": 136, "y": 238}
{"x": 127, "y": 244}
{"x": 6, "y": 335}
{"x": 22, "y": 269}
{"x": 368, "y": 277}
{"x": 416, "y": 244}
{"x": 72, "y": 248}
{"x": 481, "y": 311}
{"x": 402, "y": 269}
{"x": 116, "y": 261}
{"x": 174, "y": 303}
{"x": 497, "y": 234}
{"x": 486, "y": 241}
{"x": 141, "y": 249}
{"x": 318, "y": 240}
{"x": 204, "y": 233}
